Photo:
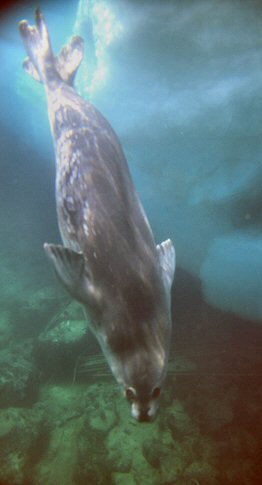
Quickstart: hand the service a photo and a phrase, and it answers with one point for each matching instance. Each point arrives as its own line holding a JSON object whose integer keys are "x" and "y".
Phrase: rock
{"x": 65, "y": 332}
{"x": 61, "y": 404}
{"x": 61, "y": 460}
{"x": 59, "y": 347}
{"x": 18, "y": 375}
{"x": 7, "y": 424}
{"x": 198, "y": 471}
{"x": 38, "y": 306}
{"x": 123, "y": 479}
{"x": 178, "y": 421}
{"x": 5, "y": 329}
{"x": 19, "y": 430}
{"x": 151, "y": 454}
{"x": 119, "y": 462}
{"x": 125, "y": 450}
{"x": 103, "y": 420}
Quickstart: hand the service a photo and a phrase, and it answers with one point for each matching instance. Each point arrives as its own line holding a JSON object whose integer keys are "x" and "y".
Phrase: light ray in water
{"x": 97, "y": 18}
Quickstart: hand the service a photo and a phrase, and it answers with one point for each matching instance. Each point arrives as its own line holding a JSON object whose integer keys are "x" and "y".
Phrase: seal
{"x": 109, "y": 260}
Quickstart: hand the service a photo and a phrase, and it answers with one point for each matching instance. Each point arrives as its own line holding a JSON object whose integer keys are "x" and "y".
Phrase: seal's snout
{"x": 143, "y": 414}
{"x": 144, "y": 417}
{"x": 143, "y": 406}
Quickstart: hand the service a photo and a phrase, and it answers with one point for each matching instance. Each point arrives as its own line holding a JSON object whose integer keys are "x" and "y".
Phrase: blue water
{"x": 181, "y": 84}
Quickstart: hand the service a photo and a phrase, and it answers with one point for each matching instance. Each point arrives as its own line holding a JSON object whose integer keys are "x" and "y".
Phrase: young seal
{"x": 109, "y": 261}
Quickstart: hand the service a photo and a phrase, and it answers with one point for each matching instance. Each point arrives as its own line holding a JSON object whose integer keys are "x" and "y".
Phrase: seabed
{"x": 63, "y": 419}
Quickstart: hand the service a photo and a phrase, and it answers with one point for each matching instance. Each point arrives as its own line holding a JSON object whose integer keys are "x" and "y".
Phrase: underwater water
{"x": 181, "y": 83}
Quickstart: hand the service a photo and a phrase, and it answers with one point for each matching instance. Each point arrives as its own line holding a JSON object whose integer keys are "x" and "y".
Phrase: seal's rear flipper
{"x": 38, "y": 47}
{"x": 41, "y": 63}
{"x": 69, "y": 59}
{"x": 70, "y": 268}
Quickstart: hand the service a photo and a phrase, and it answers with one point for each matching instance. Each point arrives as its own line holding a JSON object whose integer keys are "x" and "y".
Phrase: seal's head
{"x": 144, "y": 377}
{"x": 143, "y": 404}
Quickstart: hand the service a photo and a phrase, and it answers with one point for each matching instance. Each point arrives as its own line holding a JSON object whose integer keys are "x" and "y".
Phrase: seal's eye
{"x": 156, "y": 393}
{"x": 130, "y": 394}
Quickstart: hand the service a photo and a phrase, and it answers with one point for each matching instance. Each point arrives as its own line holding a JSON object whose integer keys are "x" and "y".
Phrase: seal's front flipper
{"x": 167, "y": 259}
{"x": 71, "y": 270}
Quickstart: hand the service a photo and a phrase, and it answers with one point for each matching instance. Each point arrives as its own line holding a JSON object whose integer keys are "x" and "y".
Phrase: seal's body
{"x": 109, "y": 261}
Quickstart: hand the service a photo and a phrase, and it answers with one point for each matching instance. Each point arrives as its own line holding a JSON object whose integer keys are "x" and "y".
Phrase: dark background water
{"x": 182, "y": 88}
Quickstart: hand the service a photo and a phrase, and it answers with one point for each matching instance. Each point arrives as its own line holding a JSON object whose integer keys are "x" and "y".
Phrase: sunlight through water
{"x": 98, "y": 21}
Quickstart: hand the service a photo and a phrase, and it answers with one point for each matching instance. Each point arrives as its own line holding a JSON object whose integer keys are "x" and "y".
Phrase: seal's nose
{"x": 144, "y": 417}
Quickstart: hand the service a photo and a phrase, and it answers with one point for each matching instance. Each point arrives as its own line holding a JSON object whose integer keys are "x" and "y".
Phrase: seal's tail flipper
{"x": 38, "y": 47}
{"x": 41, "y": 63}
